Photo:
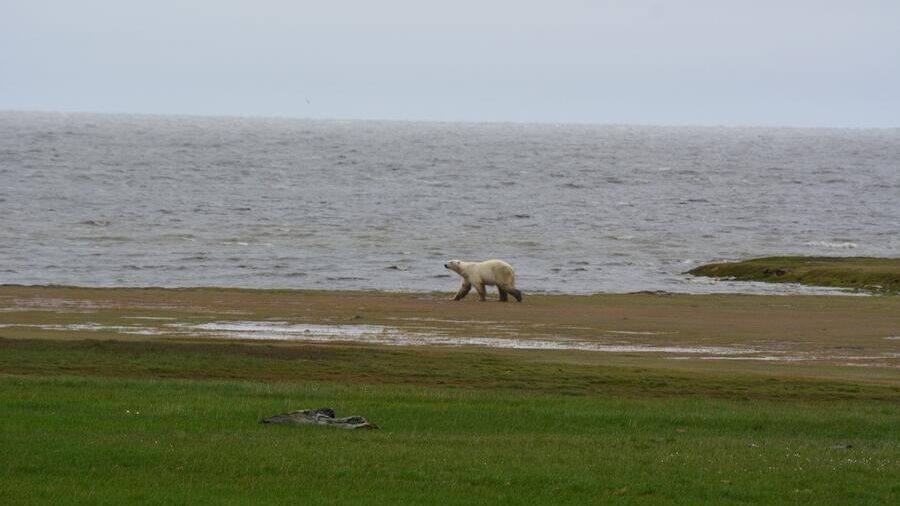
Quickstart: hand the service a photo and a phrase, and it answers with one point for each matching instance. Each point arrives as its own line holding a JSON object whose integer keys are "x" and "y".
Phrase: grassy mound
{"x": 871, "y": 274}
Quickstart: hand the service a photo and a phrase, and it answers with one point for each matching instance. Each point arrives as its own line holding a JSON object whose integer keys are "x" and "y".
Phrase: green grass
{"x": 102, "y": 441}
{"x": 870, "y": 274}
{"x": 115, "y": 434}
{"x": 510, "y": 371}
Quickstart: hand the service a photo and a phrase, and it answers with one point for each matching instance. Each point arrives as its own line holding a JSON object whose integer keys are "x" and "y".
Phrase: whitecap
{"x": 832, "y": 245}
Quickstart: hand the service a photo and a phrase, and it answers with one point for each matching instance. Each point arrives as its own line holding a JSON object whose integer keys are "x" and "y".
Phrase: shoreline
{"x": 802, "y": 290}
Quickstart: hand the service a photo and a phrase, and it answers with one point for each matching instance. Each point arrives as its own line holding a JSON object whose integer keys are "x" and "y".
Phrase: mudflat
{"x": 818, "y": 336}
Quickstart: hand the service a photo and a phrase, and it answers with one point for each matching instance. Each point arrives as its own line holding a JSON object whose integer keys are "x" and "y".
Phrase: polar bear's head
{"x": 453, "y": 265}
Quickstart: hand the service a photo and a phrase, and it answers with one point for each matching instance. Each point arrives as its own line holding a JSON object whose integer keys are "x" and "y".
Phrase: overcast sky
{"x": 697, "y": 62}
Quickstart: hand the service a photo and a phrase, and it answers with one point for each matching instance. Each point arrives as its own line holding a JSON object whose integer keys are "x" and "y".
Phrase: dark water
{"x": 118, "y": 200}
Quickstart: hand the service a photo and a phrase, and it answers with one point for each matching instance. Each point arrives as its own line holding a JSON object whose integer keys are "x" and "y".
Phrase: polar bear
{"x": 490, "y": 272}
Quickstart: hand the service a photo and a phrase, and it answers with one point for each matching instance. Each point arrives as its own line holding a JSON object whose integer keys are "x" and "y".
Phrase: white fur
{"x": 490, "y": 272}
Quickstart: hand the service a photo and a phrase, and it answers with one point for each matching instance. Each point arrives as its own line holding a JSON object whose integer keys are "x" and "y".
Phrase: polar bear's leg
{"x": 479, "y": 287}
{"x": 463, "y": 290}
{"x": 514, "y": 292}
{"x": 503, "y": 297}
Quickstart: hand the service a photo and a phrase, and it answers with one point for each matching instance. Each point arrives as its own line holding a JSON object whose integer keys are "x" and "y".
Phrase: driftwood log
{"x": 321, "y": 416}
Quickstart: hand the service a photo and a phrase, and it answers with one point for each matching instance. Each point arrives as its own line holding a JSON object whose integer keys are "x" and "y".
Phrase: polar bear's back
{"x": 496, "y": 272}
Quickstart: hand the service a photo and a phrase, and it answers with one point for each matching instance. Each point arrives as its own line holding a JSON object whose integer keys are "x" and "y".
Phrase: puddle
{"x": 94, "y": 327}
{"x": 165, "y": 318}
{"x": 280, "y": 330}
{"x": 376, "y": 334}
{"x": 506, "y": 325}
{"x": 392, "y": 336}
{"x": 766, "y": 358}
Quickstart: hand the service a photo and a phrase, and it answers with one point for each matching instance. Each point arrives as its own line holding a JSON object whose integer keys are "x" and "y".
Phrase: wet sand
{"x": 858, "y": 336}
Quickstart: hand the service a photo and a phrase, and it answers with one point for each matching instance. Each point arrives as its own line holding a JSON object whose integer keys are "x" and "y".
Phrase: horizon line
{"x": 445, "y": 121}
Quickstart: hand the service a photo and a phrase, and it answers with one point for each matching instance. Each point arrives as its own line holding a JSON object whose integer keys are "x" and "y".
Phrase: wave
{"x": 832, "y": 245}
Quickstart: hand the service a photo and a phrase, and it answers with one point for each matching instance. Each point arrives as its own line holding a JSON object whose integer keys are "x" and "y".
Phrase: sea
{"x": 178, "y": 201}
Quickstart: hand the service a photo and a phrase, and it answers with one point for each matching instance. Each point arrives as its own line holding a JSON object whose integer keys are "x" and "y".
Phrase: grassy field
{"x": 97, "y": 414}
{"x": 869, "y": 274}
